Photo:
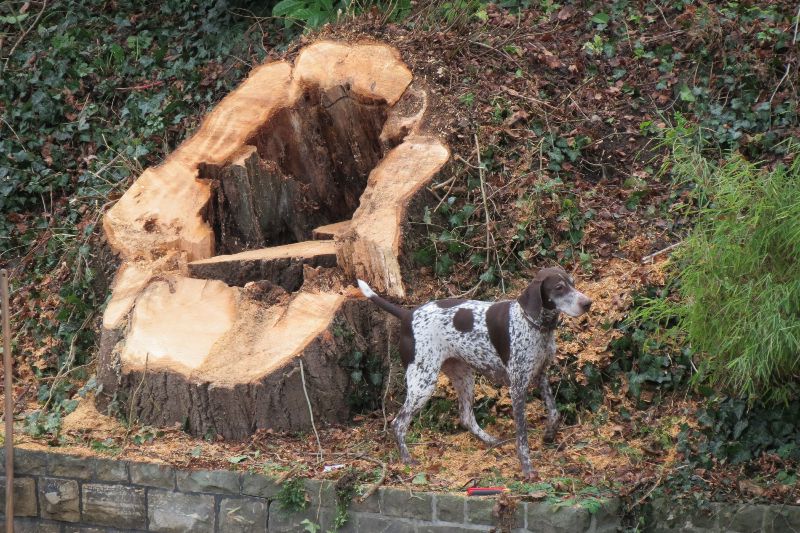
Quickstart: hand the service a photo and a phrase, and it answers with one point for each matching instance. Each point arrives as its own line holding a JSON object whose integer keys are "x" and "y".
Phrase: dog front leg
{"x": 552, "y": 409}
{"x": 518, "y": 392}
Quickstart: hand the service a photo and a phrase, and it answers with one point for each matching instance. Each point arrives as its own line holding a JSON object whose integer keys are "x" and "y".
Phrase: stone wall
{"x": 54, "y": 492}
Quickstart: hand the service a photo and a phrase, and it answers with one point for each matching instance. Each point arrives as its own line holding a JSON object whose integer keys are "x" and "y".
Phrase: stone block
{"x": 607, "y": 518}
{"x": 380, "y": 524}
{"x": 59, "y": 499}
{"x": 29, "y": 462}
{"x": 174, "y": 512}
{"x": 242, "y": 515}
{"x": 213, "y": 481}
{"x": 32, "y": 525}
{"x": 259, "y": 485}
{"x": 60, "y": 465}
{"x": 284, "y": 521}
{"x": 447, "y": 528}
{"x": 111, "y": 471}
{"x": 557, "y": 519}
{"x": 479, "y": 510}
{"x": 24, "y": 496}
{"x": 451, "y": 508}
{"x": 780, "y": 518}
{"x": 152, "y": 475}
{"x": 320, "y": 493}
{"x": 114, "y": 505}
{"x": 404, "y": 503}
{"x": 328, "y": 521}
{"x": 373, "y": 504}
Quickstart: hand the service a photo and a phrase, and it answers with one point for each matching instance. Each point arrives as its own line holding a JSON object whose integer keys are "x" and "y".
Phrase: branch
{"x": 24, "y": 34}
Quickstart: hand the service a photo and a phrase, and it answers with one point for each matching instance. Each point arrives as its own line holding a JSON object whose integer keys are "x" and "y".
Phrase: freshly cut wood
{"x": 281, "y": 265}
{"x": 221, "y": 289}
{"x": 370, "y": 248}
{"x": 210, "y": 357}
{"x": 330, "y": 231}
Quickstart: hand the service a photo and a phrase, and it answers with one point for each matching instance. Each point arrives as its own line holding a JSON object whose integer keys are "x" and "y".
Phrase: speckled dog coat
{"x": 511, "y": 342}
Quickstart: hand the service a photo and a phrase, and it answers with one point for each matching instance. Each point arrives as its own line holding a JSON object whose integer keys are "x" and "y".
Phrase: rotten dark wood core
{"x": 309, "y": 168}
{"x": 287, "y": 272}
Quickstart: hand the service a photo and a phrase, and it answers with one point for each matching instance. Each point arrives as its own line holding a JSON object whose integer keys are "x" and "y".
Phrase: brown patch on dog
{"x": 497, "y": 325}
{"x": 463, "y": 320}
{"x": 447, "y": 303}
{"x": 407, "y": 341}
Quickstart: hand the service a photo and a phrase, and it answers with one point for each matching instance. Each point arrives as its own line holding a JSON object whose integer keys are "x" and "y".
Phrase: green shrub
{"x": 738, "y": 272}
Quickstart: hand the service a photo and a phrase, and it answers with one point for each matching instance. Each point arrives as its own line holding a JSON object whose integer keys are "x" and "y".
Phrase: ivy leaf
{"x": 236, "y": 459}
{"x": 420, "y": 479}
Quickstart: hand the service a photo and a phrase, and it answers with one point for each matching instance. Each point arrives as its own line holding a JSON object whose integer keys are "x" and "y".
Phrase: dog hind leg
{"x": 420, "y": 384}
{"x": 552, "y": 410}
{"x": 520, "y": 378}
{"x": 463, "y": 380}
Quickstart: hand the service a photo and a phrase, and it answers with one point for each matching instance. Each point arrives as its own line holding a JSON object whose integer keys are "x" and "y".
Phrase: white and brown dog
{"x": 511, "y": 342}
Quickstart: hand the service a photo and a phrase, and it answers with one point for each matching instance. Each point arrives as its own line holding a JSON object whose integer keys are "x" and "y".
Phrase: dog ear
{"x": 531, "y": 299}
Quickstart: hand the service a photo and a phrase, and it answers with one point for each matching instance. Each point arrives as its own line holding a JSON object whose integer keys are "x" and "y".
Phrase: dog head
{"x": 553, "y": 289}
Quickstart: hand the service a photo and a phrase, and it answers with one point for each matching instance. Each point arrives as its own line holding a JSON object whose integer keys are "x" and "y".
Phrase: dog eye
{"x": 560, "y": 287}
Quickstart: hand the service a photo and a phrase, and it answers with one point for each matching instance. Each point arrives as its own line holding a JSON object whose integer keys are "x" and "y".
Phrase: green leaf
{"x": 13, "y": 19}
{"x": 420, "y": 479}
{"x": 601, "y": 18}
{"x": 236, "y": 459}
{"x": 686, "y": 94}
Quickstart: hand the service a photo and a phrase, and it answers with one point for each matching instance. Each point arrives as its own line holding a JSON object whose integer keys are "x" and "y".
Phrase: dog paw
{"x": 549, "y": 437}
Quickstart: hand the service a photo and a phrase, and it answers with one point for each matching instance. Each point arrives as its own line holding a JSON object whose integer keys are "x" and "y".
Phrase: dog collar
{"x": 548, "y": 320}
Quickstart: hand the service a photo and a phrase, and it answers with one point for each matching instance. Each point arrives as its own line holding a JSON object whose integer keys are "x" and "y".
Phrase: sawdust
{"x": 612, "y": 291}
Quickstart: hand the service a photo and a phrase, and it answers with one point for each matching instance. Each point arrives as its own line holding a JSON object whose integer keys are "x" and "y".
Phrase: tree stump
{"x": 239, "y": 251}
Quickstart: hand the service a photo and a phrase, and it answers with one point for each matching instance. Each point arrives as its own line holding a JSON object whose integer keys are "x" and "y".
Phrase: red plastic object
{"x": 485, "y": 491}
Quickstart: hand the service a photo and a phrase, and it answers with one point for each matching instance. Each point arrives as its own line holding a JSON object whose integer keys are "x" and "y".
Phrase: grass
{"x": 738, "y": 273}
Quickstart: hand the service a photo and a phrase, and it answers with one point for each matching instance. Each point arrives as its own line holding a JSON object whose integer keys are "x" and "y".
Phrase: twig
{"x": 289, "y": 473}
{"x": 133, "y": 398}
{"x": 483, "y": 195}
{"x": 24, "y": 34}
{"x": 388, "y": 384}
{"x": 796, "y": 23}
{"x": 785, "y": 74}
{"x": 498, "y": 444}
{"x": 788, "y": 65}
{"x": 8, "y": 393}
{"x": 65, "y": 368}
{"x": 372, "y": 488}
{"x": 649, "y": 258}
{"x": 310, "y": 412}
{"x": 649, "y": 492}
{"x": 143, "y": 86}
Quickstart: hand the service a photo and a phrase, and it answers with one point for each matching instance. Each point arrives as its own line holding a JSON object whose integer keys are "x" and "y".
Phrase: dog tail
{"x": 386, "y": 305}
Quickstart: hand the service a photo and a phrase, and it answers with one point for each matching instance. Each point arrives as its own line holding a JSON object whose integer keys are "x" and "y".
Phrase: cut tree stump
{"x": 238, "y": 252}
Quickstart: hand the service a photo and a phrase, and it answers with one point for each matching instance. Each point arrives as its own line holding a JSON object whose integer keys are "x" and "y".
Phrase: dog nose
{"x": 587, "y": 304}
